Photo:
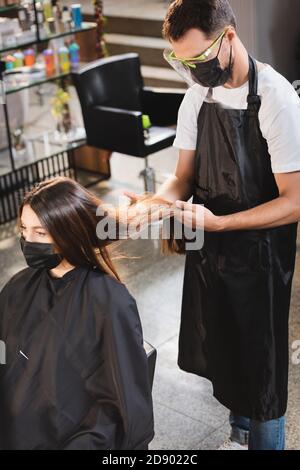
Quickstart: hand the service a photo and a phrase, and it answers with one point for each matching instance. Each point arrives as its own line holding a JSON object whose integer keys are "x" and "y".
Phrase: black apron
{"x": 237, "y": 289}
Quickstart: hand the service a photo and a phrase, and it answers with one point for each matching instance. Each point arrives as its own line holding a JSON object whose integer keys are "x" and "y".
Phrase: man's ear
{"x": 231, "y": 34}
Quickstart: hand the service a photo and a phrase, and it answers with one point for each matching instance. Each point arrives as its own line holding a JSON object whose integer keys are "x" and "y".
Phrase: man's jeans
{"x": 268, "y": 435}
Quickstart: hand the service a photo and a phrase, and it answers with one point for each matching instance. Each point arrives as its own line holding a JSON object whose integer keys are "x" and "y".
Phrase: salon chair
{"x": 113, "y": 100}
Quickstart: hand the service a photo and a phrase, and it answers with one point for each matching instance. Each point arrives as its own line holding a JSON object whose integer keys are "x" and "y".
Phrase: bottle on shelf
{"x": 49, "y": 61}
{"x": 29, "y": 57}
{"x": 76, "y": 15}
{"x": 66, "y": 19}
{"x": 19, "y": 56}
{"x": 74, "y": 55}
{"x": 64, "y": 59}
{"x": 57, "y": 15}
{"x": 51, "y": 25}
{"x": 47, "y": 7}
{"x": 9, "y": 62}
{"x": 24, "y": 16}
{"x": 58, "y": 7}
{"x": 41, "y": 19}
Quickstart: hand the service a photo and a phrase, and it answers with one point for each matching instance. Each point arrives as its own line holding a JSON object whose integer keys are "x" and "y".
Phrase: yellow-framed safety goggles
{"x": 191, "y": 62}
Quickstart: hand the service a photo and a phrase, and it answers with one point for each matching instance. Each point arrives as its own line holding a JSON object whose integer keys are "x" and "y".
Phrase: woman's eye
{"x": 42, "y": 234}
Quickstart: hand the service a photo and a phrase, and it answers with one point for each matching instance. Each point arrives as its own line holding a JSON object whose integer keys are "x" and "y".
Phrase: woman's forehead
{"x": 29, "y": 217}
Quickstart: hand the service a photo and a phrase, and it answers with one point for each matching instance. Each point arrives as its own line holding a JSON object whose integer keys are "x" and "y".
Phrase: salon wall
{"x": 245, "y": 12}
{"x": 271, "y": 31}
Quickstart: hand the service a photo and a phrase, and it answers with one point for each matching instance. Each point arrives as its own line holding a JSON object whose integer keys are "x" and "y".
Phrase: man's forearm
{"x": 280, "y": 211}
{"x": 174, "y": 189}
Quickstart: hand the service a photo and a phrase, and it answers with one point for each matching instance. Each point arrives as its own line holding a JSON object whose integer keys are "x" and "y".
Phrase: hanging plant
{"x": 60, "y": 109}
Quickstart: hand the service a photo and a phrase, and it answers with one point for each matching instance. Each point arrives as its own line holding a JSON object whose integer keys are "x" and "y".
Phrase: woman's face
{"x": 31, "y": 227}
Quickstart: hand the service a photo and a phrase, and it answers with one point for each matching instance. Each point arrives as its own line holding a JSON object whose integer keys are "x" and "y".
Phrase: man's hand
{"x": 196, "y": 216}
{"x": 143, "y": 211}
{"x": 132, "y": 196}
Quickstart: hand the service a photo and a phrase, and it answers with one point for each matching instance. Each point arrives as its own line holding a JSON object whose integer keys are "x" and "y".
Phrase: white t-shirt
{"x": 279, "y": 116}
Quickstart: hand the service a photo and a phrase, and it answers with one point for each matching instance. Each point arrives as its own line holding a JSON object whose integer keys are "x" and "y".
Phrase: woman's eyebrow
{"x": 35, "y": 226}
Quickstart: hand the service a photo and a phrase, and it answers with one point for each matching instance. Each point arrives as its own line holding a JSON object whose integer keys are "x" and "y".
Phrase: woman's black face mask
{"x": 40, "y": 255}
{"x": 210, "y": 74}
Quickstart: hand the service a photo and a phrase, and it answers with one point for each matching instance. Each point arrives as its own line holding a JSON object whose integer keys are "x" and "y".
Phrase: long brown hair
{"x": 155, "y": 205}
{"x": 68, "y": 212}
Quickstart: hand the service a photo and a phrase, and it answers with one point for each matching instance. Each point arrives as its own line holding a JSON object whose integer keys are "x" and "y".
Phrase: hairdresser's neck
{"x": 240, "y": 69}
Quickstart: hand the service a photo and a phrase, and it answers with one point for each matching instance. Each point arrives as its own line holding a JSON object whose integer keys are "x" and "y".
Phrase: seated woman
{"x": 76, "y": 372}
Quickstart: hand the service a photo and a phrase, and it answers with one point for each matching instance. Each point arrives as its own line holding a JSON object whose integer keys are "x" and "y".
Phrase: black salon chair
{"x": 113, "y": 99}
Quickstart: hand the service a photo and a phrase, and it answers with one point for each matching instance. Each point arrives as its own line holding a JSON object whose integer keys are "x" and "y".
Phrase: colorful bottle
{"x": 19, "y": 56}
{"x": 74, "y": 55}
{"x": 49, "y": 61}
{"x": 29, "y": 57}
{"x": 9, "y": 62}
{"x": 64, "y": 59}
{"x": 76, "y": 15}
{"x": 47, "y": 7}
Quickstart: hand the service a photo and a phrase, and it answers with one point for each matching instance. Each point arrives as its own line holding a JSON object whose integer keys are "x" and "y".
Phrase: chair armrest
{"x": 162, "y": 106}
{"x": 151, "y": 356}
{"x": 115, "y": 129}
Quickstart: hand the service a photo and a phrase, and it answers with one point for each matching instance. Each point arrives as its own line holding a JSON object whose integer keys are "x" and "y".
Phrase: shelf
{"x": 32, "y": 82}
{"x": 86, "y": 26}
{"x": 53, "y": 142}
{"x": 36, "y": 82}
{"x": 39, "y": 147}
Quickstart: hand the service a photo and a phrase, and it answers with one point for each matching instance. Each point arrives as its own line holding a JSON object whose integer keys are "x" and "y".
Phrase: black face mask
{"x": 210, "y": 74}
{"x": 40, "y": 255}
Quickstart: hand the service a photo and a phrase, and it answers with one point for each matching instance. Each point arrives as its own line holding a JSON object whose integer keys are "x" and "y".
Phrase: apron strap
{"x": 253, "y": 99}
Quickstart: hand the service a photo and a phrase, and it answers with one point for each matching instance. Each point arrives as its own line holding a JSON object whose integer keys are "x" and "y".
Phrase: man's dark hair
{"x": 209, "y": 16}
